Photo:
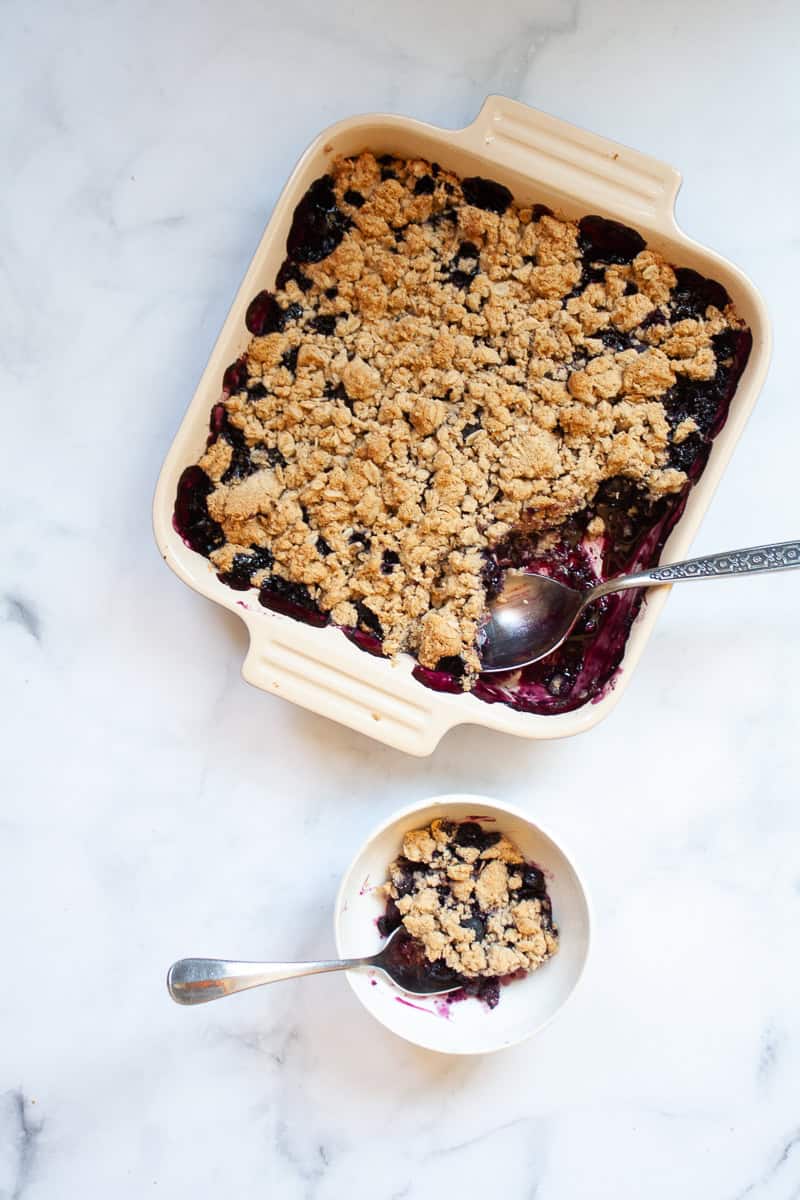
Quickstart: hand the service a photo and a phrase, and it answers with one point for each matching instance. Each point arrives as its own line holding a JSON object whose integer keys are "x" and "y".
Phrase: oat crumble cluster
{"x": 472, "y": 901}
{"x": 437, "y": 368}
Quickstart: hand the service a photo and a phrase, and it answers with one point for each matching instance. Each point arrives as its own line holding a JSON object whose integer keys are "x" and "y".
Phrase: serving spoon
{"x": 198, "y": 980}
{"x": 533, "y": 614}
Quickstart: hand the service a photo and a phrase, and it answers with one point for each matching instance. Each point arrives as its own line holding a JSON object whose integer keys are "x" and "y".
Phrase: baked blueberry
{"x": 693, "y": 294}
{"x": 264, "y": 315}
{"x": 245, "y": 566}
{"x": 486, "y": 194}
{"x": 235, "y": 377}
{"x": 191, "y": 518}
{"x": 318, "y": 226}
{"x": 289, "y": 358}
{"x": 452, "y": 664}
{"x": 291, "y": 599}
{"x": 603, "y": 240}
{"x": 367, "y": 619}
{"x": 290, "y": 271}
{"x": 534, "y": 885}
{"x": 325, "y": 324}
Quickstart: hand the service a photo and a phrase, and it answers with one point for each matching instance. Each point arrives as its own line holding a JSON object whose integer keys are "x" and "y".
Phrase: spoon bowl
{"x": 530, "y": 618}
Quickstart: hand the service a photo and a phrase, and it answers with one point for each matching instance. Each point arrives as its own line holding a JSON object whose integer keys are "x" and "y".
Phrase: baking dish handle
{"x": 338, "y": 681}
{"x": 575, "y": 162}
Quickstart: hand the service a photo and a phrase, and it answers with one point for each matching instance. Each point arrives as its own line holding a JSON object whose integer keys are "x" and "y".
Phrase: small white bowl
{"x": 466, "y": 1026}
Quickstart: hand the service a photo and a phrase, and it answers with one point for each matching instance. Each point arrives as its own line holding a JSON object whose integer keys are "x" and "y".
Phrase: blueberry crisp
{"x": 444, "y": 384}
{"x": 474, "y": 912}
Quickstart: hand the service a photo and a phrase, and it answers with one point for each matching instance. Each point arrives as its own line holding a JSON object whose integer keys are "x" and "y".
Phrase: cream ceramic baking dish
{"x": 541, "y": 159}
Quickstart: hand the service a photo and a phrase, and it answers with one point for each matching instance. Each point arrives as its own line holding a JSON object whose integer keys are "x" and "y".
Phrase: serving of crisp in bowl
{"x": 522, "y": 938}
{"x": 455, "y": 353}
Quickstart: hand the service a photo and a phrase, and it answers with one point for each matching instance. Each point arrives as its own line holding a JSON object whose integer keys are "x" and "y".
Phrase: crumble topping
{"x": 441, "y": 369}
{"x": 471, "y": 900}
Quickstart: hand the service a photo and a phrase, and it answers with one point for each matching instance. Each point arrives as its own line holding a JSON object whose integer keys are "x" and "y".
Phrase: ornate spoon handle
{"x": 782, "y": 556}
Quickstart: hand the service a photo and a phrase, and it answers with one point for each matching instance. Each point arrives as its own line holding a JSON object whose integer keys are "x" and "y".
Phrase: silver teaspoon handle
{"x": 782, "y": 556}
{"x": 198, "y": 980}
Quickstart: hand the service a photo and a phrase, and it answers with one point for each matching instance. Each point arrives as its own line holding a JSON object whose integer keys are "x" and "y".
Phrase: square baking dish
{"x": 542, "y": 160}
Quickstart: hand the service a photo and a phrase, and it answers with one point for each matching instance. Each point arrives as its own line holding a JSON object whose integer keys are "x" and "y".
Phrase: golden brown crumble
{"x": 467, "y": 897}
{"x": 445, "y": 405}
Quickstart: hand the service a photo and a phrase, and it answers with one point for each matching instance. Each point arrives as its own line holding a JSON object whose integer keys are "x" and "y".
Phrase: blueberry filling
{"x": 590, "y": 273}
{"x": 470, "y": 833}
{"x": 602, "y": 240}
{"x": 274, "y": 457}
{"x": 424, "y": 186}
{"x": 390, "y": 920}
{"x": 452, "y": 664}
{"x": 466, "y": 265}
{"x": 244, "y": 567}
{"x": 534, "y": 884}
{"x": 191, "y": 518}
{"x": 486, "y": 194}
{"x": 290, "y": 271}
{"x": 353, "y": 198}
{"x": 477, "y": 925}
{"x": 694, "y": 293}
{"x": 656, "y": 317}
{"x": 367, "y": 619}
{"x": 291, "y": 599}
{"x": 235, "y": 377}
{"x": 324, "y": 324}
{"x": 318, "y": 225}
{"x": 389, "y": 560}
{"x": 614, "y": 339}
{"x": 241, "y": 464}
{"x": 684, "y": 455}
{"x": 264, "y": 315}
{"x": 289, "y": 358}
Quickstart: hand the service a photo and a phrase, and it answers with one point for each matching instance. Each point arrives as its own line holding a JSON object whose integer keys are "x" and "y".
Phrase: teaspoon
{"x": 198, "y": 980}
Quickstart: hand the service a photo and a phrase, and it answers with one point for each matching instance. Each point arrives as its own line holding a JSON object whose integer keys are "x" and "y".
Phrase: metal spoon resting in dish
{"x": 533, "y": 614}
{"x": 198, "y": 980}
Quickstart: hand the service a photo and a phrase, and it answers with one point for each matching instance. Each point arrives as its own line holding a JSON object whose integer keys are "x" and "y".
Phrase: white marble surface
{"x": 154, "y": 806}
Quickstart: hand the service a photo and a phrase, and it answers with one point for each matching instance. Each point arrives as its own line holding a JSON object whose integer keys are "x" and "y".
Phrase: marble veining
{"x": 19, "y": 1131}
{"x": 154, "y": 806}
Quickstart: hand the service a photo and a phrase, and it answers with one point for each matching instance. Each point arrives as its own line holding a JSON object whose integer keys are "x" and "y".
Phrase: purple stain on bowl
{"x": 419, "y": 1007}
